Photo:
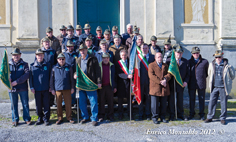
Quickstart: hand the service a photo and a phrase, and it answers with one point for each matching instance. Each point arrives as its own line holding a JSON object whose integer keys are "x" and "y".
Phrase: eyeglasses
{"x": 63, "y": 30}
{"x": 195, "y": 53}
{"x": 61, "y": 59}
{"x": 218, "y": 57}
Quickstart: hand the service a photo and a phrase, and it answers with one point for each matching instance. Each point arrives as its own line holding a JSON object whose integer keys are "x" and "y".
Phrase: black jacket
{"x": 198, "y": 73}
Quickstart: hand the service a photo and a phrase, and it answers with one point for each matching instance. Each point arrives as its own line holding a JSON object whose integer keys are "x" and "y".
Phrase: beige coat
{"x": 228, "y": 76}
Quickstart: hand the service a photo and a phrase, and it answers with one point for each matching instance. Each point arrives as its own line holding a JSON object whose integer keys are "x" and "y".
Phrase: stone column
{"x": 164, "y": 20}
{"x": 28, "y": 31}
{"x": 227, "y": 24}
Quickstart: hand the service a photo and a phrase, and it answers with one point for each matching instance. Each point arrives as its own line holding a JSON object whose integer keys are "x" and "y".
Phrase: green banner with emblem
{"x": 5, "y": 71}
{"x": 174, "y": 70}
{"x": 83, "y": 82}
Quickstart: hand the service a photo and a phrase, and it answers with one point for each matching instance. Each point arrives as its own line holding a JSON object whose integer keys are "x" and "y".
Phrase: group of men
{"x": 104, "y": 59}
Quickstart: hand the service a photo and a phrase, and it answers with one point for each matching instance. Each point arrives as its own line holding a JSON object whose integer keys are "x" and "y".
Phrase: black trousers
{"x": 120, "y": 105}
{"x": 158, "y": 107}
{"x": 201, "y": 98}
{"x": 42, "y": 100}
{"x": 171, "y": 104}
{"x": 106, "y": 94}
{"x": 145, "y": 100}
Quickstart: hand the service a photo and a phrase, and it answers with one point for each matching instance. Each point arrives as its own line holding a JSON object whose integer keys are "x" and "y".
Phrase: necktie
{"x": 145, "y": 57}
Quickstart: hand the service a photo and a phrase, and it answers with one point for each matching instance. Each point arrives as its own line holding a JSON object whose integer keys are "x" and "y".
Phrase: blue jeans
{"x": 92, "y": 96}
{"x": 25, "y": 104}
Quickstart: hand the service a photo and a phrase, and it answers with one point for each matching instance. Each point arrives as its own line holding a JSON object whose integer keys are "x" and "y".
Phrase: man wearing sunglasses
{"x": 62, "y": 35}
{"x": 221, "y": 74}
{"x": 62, "y": 85}
{"x": 198, "y": 74}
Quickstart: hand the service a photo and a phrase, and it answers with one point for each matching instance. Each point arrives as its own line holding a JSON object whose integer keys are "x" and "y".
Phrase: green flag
{"x": 83, "y": 82}
{"x": 5, "y": 71}
{"x": 174, "y": 70}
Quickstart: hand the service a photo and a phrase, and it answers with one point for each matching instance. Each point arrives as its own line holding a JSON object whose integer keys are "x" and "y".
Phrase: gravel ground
{"x": 194, "y": 130}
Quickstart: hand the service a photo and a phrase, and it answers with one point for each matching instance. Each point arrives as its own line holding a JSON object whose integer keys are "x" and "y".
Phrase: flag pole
{"x": 12, "y": 104}
{"x": 77, "y": 94}
{"x": 175, "y": 100}
{"x": 130, "y": 99}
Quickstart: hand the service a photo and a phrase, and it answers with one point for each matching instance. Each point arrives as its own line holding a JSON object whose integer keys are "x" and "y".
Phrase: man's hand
{"x": 33, "y": 91}
{"x": 72, "y": 91}
{"x": 53, "y": 92}
{"x": 185, "y": 84}
{"x": 163, "y": 82}
{"x": 99, "y": 85}
{"x": 75, "y": 76}
{"x": 115, "y": 90}
{"x": 130, "y": 76}
{"x": 14, "y": 83}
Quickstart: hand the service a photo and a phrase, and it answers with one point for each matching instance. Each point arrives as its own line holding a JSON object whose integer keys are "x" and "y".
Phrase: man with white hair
{"x": 128, "y": 34}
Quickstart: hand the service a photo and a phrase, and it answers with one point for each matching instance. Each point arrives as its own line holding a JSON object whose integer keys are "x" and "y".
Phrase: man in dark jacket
{"x": 39, "y": 80}
{"x": 123, "y": 83}
{"x": 144, "y": 83}
{"x": 92, "y": 49}
{"x": 87, "y": 29}
{"x": 49, "y": 57}
{"x": 19, "y": 74}
{"x": 103, "y": 49}
{"x": 128, "y": 34}
{"x": 184, "y": 73}
{"x": 54, "y": 42}
{"x": 89, "y": 65}
{"x": 71, "y": 37}
{"x": 62, "y": 85}
{"x": 198, "y": 74}
{"x": 99, "y": 35}
{"x": 70, "y": 56}
{"x": 108, "y": 88}
{"x": 62, "y": 35}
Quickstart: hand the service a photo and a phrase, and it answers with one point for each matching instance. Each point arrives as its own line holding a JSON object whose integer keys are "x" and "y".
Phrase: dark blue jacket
{"x": 112, "y": 75}
{"x": 198, "y": 73}
{"x": 50, "y": 56}
{"x": 20, "y": 74}
{"x": 40, "y": 76}
{"x": 62, "y": 78}
{"x": 74, "y": 39}
{"x": 84, "y": 36}
{"x": 125, "y": 36}
{"x": 144, "y": 79}
{"x": 99, "y": 55}
{"x": 70, "y": 58}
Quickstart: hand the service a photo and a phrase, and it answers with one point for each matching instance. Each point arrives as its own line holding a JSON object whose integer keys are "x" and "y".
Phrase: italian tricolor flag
{"x": 136, "y": 83}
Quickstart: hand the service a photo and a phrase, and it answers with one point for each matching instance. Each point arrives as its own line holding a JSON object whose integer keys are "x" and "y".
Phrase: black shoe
{"x": 100, "y": 119}
{"x": 38, "y": 123}
{"x": 202, "y": 118}
{"x": 84, "y": 121}
{"x": 140, "y": 118}
{"x": 111, "y": 118}
{"x": 208, "y": 120}
{"x": 156, "y": 122}
{"x": 164, "y": 121}
{"x": 189, "y": 118}
{"x": 148, "y": 117}
{"x": 223, "y": 122}
{"x": 46, "y": 123}
{"x": 59, "y": 122}
{"x": 182, "y": 118}
{"x": 171, "y": 119}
